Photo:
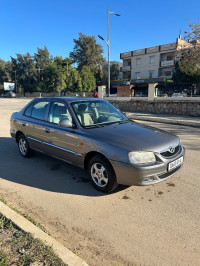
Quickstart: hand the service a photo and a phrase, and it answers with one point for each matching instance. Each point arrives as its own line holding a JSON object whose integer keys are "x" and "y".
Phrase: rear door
{"x": 34, "y": 127}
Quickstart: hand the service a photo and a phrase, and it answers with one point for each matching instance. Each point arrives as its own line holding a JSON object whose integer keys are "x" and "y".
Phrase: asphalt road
{"x": 154, "y": 225}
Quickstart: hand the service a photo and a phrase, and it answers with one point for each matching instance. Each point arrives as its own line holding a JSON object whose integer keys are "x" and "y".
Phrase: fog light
{"x": 149, "y": 179}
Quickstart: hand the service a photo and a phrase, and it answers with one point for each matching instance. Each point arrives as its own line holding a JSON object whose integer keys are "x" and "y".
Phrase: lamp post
{"x": 108, "y": 44}
{"x": 15, "y": 83}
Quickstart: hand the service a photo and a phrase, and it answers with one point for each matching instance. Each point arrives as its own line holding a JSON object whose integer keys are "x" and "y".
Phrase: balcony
{"x": 167, "y": 63}
{"x": 126, "y": 68}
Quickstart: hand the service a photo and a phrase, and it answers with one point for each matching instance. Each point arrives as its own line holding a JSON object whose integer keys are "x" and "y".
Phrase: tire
{"x": 102, "y": 174}
{"x": 24, "y": 147}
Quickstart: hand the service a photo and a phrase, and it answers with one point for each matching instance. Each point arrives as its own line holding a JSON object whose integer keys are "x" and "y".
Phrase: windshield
{"x": 97, "y": 113}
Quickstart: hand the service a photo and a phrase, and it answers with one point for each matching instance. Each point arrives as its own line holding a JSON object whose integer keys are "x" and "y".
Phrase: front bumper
{"x": 128, "y": 174}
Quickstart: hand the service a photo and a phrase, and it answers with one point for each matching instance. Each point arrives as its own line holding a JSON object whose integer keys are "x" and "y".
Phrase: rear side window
{"x": 39, "y": 110}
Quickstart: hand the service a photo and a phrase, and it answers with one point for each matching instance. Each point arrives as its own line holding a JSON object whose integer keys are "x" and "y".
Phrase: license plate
{"x": 175, "y": 163}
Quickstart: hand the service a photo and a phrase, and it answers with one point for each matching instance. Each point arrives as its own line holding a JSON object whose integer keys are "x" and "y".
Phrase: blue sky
{"x": 26, "y": 25}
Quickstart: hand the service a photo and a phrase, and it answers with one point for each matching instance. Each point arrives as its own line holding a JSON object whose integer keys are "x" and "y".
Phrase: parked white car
{"x": 179, "y": 94}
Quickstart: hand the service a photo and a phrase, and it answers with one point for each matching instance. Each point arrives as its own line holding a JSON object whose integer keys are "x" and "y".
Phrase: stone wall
{"x": 191, "y": 108}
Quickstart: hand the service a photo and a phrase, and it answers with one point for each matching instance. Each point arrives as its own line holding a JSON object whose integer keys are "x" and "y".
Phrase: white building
{"x": 153, "y": 62}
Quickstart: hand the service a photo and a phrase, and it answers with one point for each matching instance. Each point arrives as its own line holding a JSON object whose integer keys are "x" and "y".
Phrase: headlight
{"x": 142, "y": 157}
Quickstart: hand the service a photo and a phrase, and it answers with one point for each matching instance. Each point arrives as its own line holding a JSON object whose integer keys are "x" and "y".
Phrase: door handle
{"x": 47, "y": 130}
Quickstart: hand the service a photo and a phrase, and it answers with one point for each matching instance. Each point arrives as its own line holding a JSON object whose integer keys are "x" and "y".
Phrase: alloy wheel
{"x": 23, "y": 146}
{"x": 99, "y": 175}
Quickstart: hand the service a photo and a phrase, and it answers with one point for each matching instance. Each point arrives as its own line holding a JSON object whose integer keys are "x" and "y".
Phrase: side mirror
{"x": 66, "y": 123}
{"x": 124, "y": 113}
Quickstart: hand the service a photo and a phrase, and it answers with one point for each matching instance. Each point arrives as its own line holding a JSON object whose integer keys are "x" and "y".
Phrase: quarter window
{"x": 28, "y": 110}
{"x": 39, "y": 110}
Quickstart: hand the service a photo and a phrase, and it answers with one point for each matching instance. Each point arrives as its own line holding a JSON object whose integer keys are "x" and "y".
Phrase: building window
{"x": 137, "y": 75}
{"x": 138, "y": 61}
{"x": 151, "y": 73}
{"x": 152, "y": 59}
{"x": 170, "y": 57}
{"x": 168, "y": 73}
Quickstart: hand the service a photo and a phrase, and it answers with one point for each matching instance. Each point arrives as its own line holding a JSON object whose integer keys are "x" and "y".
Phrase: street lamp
{"x": 108, "y": 44}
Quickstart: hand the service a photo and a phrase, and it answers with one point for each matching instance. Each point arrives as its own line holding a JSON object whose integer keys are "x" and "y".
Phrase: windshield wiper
{"x": 123, "y": 122}
{"x": 120, "y": 122}
{"x": 94, "y": 126}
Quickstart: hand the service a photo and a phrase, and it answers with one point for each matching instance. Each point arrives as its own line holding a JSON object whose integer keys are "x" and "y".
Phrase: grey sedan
{"x": 93, "y": 134}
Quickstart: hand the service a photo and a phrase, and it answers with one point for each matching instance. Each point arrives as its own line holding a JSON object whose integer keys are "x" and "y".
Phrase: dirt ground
{"x": 154, "y": 225}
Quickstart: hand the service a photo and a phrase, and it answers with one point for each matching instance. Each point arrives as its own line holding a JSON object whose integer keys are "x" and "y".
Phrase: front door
{"x": 60, "y": 142}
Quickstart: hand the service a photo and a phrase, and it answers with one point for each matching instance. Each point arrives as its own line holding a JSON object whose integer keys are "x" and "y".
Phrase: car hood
{"x": 135, "y": 136}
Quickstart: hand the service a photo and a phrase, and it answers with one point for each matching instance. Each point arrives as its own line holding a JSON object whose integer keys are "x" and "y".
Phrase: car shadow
{"x": 44, "y": 172}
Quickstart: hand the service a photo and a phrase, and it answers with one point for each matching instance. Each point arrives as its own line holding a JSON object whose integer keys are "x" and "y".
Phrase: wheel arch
{"x": 92, "y": 154}
{"x": 18, "y": 134}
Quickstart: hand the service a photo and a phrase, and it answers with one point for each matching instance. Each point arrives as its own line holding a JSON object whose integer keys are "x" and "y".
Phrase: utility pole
{"x": 15, "y": 83}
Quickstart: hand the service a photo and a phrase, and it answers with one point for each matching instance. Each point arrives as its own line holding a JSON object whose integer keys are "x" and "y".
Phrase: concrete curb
{"x": 164, "y": 120}
{"x": 63, "y": 253}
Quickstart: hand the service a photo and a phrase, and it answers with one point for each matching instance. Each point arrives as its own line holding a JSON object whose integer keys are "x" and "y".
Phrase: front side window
{"x": 39, "y": 110}
{"x": 97, "y": 113}
{"x": 57, "y": 112}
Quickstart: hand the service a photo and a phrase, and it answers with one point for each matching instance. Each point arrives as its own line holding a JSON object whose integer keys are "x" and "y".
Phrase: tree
{"x": 26, "y": 72}
{"x": 88, "y": 80}
{"x": 87, "y": 53}
{"x": 43, "y": 58}
{"x": 114, "y": 73}
{"x": 180, "y": 77}
{"x": 2, "y": 71}
{"x": 190, "y": 55}
{"x": 73, "y": 80}
{"x": 70, "y": 76}
{"x": 50, "y": 79}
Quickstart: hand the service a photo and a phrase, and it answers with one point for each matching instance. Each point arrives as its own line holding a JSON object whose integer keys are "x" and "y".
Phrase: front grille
{"x": 169, "y": 154}
{"x": 162, "y": 176}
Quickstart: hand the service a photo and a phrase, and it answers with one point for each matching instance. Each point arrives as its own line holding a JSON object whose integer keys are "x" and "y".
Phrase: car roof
{"x": 70, "y": 99}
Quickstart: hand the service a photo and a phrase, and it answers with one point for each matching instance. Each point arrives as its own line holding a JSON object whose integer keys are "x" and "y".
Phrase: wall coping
{"x": 156, "y": 99}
